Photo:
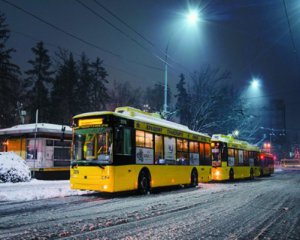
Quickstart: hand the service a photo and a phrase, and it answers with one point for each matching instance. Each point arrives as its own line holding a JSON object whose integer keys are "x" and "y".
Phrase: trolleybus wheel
{"x": 251, "y": 174}
{"x": 144, "y": 182}
{"x": 194, "y": 178}
{"x": 231, "y": 175}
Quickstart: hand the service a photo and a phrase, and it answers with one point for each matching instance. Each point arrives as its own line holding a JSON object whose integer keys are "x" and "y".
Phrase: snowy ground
{"x": 35, "y": 190}
{"x": 266, "y": 208}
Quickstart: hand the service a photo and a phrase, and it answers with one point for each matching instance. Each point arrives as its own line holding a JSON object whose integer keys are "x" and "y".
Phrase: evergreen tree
{"x": 83, "y": 86}
{"x": 37, "y": 83}
{"x": 182, "y": 106}
{"x": 9, "y": 79}
{"x": 99, "y": 94}
{"x": 65, "y": 101}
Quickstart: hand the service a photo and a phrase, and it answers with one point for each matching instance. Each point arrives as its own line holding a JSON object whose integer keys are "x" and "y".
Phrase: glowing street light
{"x": 192, "y": 18}
{"x": 255, "y": 83}
{"x": 236, "y": 133}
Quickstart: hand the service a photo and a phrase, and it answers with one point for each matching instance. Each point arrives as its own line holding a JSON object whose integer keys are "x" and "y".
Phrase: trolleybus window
{"x": 170, "y": 150}
{"x": 194, "y": 153}
{"x": 93, "y": 144}
{"x": 207, "y": 161}
{"x": 182, "y": 152}
{"x": 216, "y": 154}
{"x": 122, "y": 138}
{"x": 230, "y": 157}
{"x": 246, "y": 158}
{"x": 159, "y": 152}
{"x": 144, "y": 139}
{"x": 202, "y": 154}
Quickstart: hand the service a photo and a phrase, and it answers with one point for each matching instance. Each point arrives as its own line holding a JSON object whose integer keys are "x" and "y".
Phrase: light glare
{"x": 255, "y": 83}
{"x": 193, "y": 17}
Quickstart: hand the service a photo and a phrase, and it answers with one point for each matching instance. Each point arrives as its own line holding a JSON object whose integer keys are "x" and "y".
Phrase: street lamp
{"x": 255, "y": 83}
{"x": 192, "y": 17}
{"x": 235, "y": 133}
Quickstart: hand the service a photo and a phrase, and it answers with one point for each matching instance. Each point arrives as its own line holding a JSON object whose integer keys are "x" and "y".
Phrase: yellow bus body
{"x": 125, "y": 178}
{"x": 240, "y": 172}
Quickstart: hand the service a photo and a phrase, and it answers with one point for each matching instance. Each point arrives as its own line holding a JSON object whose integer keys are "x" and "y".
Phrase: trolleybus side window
{"x": 202, "y": 153}
{"x": 144, "y": 139}
{"x": 256, "y": 160}
{"x": 144, "y": 147}
{"x": 159, "y": 151}
{"x": 194, "y": 153}
{"x": 170, "y": 150}
{"x": 230, "y": 157}
{"x": 241, "y": 157}
{"x": 246, "y": 158}
{"x": 236, "y": 157}
{"x": 182, "y": 152}
{"x": 207, "y": 161}
{"x": 123, "y": 145}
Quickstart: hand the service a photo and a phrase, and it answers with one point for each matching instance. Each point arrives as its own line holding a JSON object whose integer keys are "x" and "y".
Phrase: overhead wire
{"x": 118, "y": 29}
{"x": 134, "y": 30}
{"x": 292, "y": 36}
{"x": 79, "y": 38}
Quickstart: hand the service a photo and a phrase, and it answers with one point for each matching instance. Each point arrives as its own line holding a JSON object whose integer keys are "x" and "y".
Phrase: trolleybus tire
{"x": 231, "y": 175}
{"x": 194, "y": 178}
{"x": 144, "y": 182}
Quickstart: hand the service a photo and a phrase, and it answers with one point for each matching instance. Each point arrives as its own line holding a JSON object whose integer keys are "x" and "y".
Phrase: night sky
{"x": 251, "y": 38}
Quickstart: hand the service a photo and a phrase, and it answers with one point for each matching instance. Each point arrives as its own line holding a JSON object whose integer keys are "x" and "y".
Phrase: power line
{"x": 135, "y": 31}
{"x": 118, "y": 29}
{"x": 79, "y": 38}
{"x": 291, "y": 34}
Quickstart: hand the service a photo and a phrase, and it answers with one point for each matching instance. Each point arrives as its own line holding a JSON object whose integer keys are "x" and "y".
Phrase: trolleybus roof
{"x": 139, "y": 115}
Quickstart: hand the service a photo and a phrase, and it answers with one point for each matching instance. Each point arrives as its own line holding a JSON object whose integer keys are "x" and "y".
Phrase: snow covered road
{"x": 266, "y": 208}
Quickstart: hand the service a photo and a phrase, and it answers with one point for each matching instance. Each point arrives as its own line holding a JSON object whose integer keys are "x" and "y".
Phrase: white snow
{"x": 36, "y": 189}
{"x": 41, "y": 127}
{"x": 13, "y": 168}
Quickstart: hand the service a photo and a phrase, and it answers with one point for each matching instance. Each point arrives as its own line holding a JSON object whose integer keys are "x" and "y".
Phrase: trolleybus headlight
{"x": 217, "y": 173}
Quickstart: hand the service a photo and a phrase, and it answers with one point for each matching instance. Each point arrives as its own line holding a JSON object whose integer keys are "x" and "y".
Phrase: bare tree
{"x": 122, "y": 94}
{"x": 207, "y": 93}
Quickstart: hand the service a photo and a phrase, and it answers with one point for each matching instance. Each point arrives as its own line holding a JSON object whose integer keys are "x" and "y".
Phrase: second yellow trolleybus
{"x": 233, "y": 159}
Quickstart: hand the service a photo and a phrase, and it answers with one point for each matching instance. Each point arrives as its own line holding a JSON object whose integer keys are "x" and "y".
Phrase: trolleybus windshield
{"x": 93, "y": 144}
{"x": 217, "y": 149}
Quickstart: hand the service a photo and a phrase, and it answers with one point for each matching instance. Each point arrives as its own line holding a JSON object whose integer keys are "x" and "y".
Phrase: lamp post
{"x": 191, "y": 18}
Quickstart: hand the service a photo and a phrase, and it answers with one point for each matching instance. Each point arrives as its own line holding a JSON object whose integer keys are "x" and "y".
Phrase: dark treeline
{"x": 64, "y": 86}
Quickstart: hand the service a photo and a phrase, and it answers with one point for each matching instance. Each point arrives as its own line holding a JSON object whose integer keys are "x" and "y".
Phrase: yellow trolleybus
{"x": 233, "y": 159}
{"x": 133, "y": 150}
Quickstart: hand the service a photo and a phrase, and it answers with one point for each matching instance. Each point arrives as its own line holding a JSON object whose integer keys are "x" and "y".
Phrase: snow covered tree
{"x": 182, "y": 106}
{"x": 37, "y": 83}
{"x": 207, "y": 95}
{"x": 9, "y": 79}
{"x": 65, "y": 100}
